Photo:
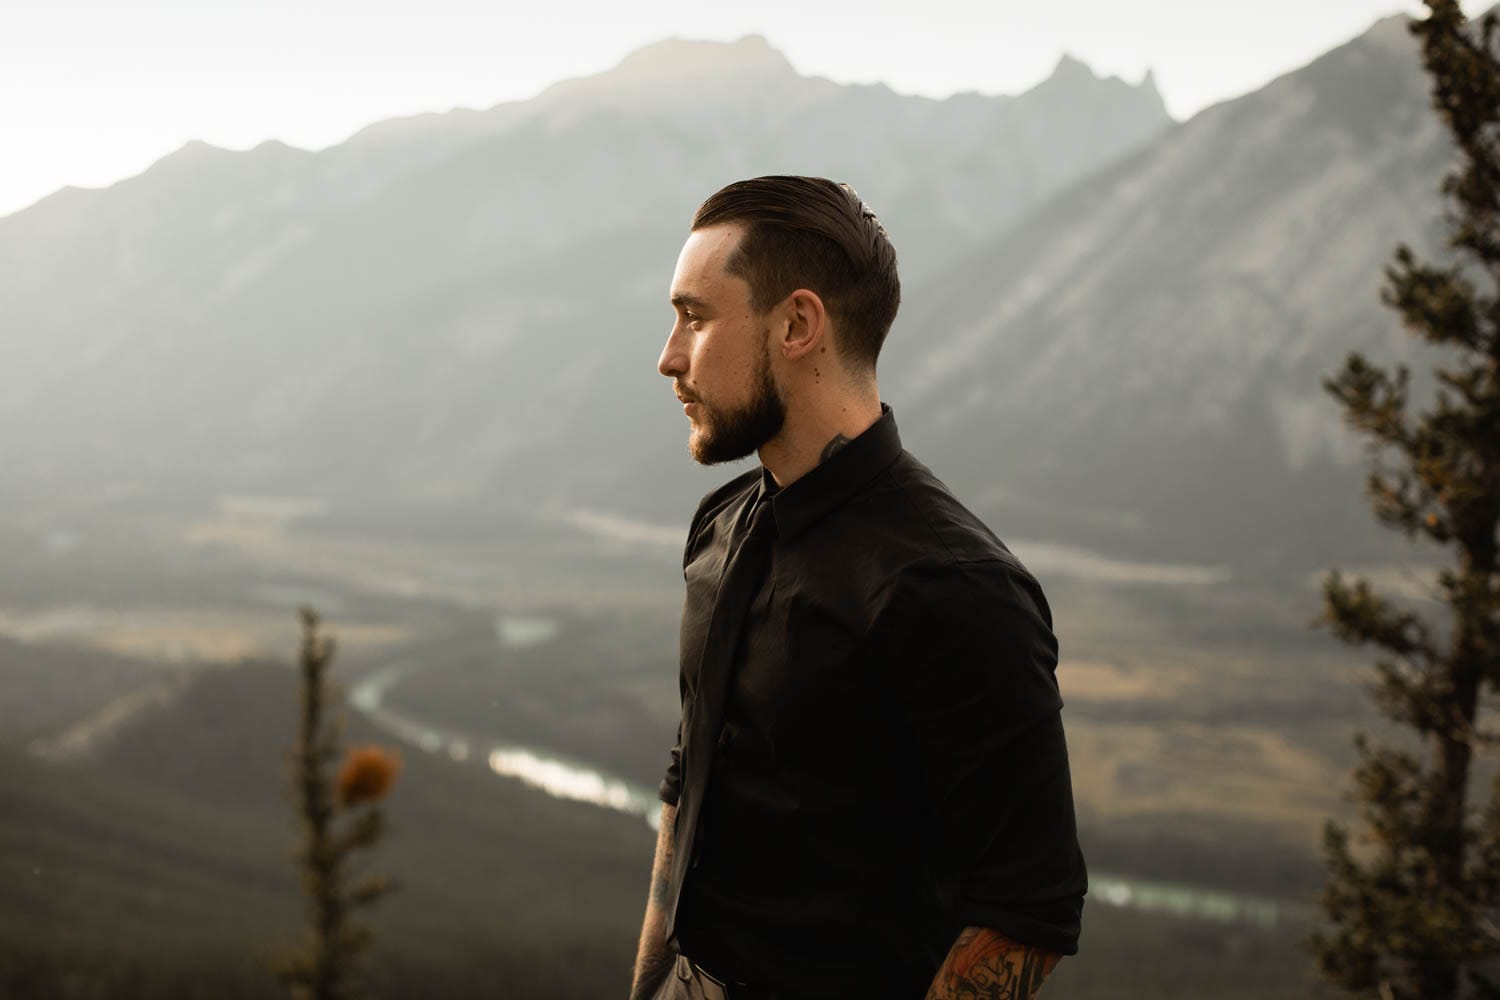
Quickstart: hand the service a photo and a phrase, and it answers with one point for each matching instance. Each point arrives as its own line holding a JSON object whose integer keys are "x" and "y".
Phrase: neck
{"x": 815, "y": 430}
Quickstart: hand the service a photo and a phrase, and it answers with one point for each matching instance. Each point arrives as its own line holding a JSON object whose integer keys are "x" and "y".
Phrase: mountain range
{"x": 1144, "y": 353}
{"x": 1112, "y": 330}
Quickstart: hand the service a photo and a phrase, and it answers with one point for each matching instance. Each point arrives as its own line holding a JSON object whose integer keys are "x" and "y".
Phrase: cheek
{"x": 708, "y": 365}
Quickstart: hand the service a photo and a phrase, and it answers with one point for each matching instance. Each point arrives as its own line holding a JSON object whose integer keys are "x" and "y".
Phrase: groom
{"x": 869, "y": 793}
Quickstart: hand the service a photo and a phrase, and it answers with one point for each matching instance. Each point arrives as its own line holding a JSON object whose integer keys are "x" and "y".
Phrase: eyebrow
{"x": 684, "y": 301}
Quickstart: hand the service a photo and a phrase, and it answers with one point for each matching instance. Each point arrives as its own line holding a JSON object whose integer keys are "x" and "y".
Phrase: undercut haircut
{"x": 814, "y": 233}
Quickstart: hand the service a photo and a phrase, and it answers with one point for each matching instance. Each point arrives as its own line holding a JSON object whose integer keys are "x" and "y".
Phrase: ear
{"x": 806, "y": 324}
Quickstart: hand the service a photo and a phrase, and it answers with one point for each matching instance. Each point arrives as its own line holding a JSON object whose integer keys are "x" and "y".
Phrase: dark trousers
{"x": 682, "y": 980}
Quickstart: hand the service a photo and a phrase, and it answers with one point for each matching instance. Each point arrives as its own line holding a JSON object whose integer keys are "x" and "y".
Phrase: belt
{"x": 714, "y": 988}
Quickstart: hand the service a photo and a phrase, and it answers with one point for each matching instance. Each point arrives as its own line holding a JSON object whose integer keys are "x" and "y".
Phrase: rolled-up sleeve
{"x": 671, "y": 783}
{"x": 968, "y": 656}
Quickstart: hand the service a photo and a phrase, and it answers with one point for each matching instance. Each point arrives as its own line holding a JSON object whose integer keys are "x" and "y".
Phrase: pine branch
{"x": 1436, "y": 303}
{"x": 1359, "y": 616}
{"x": 1374, "y": 402}
{"x": 1466, "y": 96}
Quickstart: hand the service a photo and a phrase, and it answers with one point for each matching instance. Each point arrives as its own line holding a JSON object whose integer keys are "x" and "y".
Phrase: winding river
{"x": 569, "y": 778}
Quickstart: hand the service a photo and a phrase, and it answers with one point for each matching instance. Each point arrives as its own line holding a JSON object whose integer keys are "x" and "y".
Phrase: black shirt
{"x": 892, "y": 766}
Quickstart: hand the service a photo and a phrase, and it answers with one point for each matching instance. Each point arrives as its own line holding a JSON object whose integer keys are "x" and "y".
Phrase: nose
{"x": 674, "y": 358}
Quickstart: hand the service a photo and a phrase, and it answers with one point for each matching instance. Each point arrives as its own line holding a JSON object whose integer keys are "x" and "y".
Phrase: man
{"x": 869, "y": 795}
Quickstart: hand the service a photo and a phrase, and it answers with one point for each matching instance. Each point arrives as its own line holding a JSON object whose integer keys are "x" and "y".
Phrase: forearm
{"x": 983, "y": 964}
{"x": 654, "y": 950}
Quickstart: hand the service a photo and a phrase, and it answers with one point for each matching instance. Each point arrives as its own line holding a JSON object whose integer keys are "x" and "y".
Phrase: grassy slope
{"x": 161, "y": 868}
{"x": 177, "y": 842}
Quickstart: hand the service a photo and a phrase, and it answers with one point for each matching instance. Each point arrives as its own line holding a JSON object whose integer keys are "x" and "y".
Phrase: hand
{"x": 654, "y": 976}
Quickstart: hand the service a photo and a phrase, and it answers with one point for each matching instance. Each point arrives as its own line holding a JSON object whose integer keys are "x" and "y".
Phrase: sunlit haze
{"x": 93, "y": 92}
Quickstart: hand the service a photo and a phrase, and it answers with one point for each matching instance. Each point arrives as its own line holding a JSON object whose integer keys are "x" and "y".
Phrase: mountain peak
{"x": 198, "y": 148}
{"x": 1148, "y": 82}
{"x": 1070, "y": 67}
{"x": 692, "y": 57}
{"x": 192, "y": 155}
{"x": 1393, "y": 33}
{"x": 1072, "y": 77}
{"x": 677, "y": 61}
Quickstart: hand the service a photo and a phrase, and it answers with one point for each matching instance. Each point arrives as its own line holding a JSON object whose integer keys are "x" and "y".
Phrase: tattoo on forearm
{"x": 985, "y": 965}
{"x": 662, "y": 867}
{"x": 660, "y": 880}
{"x": 655, "y": 955}
{"x": 828, "y": 449}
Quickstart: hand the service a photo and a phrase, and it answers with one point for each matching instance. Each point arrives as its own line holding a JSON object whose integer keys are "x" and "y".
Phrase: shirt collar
{"x": 832, "y": 481}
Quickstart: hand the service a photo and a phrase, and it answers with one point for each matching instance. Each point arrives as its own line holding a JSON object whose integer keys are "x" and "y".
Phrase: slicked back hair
{"x": 810, "y": 232}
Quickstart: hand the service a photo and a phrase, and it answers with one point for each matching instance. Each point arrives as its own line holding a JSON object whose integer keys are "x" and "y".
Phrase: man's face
{"x": 718, "y": 353}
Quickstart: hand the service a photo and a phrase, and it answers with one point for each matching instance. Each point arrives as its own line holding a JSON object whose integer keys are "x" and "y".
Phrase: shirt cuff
{"x": 1053, "y": 926}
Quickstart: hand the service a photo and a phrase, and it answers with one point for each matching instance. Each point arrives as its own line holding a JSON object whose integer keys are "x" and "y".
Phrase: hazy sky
{"x": 93, "y": 92}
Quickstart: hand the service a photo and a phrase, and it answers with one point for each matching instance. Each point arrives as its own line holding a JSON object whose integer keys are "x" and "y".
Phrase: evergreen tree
{"x": 1411, "y": 903}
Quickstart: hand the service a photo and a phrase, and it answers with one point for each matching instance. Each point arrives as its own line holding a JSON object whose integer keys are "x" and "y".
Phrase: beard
{"x": 724, "y": 435}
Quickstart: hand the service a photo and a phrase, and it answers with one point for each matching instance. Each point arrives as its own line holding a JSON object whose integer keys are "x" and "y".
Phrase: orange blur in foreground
{"x": 366, "y": 774}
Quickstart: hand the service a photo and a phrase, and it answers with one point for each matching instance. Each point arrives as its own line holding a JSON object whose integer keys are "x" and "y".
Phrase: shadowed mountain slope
{"x": 1112, "y": 334}
{"x": 1136, "y": 367}
{"x": 462, "y": 312}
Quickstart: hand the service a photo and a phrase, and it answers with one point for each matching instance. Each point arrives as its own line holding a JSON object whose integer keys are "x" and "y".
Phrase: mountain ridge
{"x": 645, "y": 70}
{"x": 1222, "y": 256}
{"x": 1175, "y": 310}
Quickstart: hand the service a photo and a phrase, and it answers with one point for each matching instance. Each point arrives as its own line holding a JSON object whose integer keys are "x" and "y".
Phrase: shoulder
{"x": 715, "y": 502}
{"x": 941, "y": 558}
{"x": 939, "y": 544}
{"x": 979, "y": 594}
